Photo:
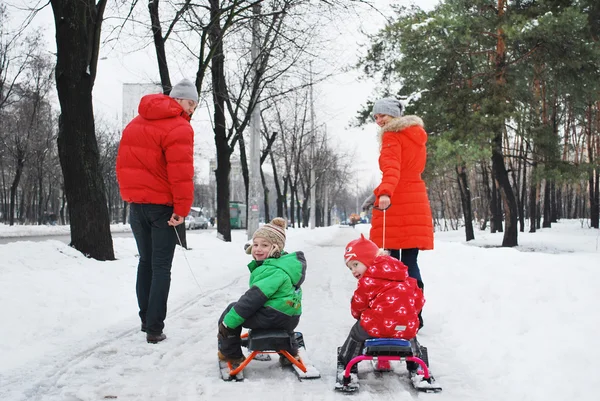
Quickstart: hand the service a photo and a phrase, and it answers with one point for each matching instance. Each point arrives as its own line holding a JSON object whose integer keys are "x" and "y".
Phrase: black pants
{"x": 156, "y": 245}
{"x": 231, "y": 346}
{"x": 354, "y": 343}
{"x": 409, "y": 258}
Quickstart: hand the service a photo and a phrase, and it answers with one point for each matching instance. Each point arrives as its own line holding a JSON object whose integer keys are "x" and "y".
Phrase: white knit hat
{"x": 274, "y": 232}
{"x": 185, "y": 89}
{"x": 389, "y": 106}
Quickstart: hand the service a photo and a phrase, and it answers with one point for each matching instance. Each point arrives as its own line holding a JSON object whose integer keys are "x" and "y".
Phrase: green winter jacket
{"x": 275, "y": 285}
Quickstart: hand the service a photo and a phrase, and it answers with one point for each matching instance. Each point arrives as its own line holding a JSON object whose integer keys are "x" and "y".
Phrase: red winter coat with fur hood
{"x": 155, "y": 162}
{"x": 402, "y": 160}
{"x": 387, "y": 301}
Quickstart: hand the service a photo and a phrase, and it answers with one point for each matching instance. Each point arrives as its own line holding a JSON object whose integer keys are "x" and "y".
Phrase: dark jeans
{"x": 156, "y": 245}
{"x": 354, "y": 344}
{"x": 231, "y": 346}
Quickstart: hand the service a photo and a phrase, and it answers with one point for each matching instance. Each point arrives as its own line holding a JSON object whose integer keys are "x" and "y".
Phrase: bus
{"x": 237, "y": 214}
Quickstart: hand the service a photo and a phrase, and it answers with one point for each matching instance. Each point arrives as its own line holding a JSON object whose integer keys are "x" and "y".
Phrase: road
{"x": 67, "y": 238}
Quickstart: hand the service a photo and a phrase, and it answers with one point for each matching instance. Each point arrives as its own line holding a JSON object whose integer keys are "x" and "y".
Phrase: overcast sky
{"x": 336, "y": 100}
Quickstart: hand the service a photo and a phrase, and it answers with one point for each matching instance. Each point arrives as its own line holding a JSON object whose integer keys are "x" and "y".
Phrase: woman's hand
{"x": 384, "y": 202}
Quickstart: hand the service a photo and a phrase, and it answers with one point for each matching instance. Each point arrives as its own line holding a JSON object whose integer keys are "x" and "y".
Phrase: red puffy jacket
{"x": 155, "y": 163}
{"x": 387, "y": 301}
{"x": 402, "y": 160}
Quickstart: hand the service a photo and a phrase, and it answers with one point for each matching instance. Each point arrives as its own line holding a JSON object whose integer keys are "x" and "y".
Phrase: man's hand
{"x": 384, "y": 202}
{"x": 175, "y": 220}
{"x": 368, "y": 202}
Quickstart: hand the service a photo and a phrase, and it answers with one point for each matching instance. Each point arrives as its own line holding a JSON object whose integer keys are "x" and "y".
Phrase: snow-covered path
{"x": 500, "y": 324}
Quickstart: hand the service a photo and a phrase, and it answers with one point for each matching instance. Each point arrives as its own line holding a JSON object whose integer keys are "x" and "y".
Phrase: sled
{"x": 262, "y": 342}
{"x": 381, "y": 351}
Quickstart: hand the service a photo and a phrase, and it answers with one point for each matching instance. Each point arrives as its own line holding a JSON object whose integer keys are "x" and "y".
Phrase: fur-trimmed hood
{"x": 399, "y": 124}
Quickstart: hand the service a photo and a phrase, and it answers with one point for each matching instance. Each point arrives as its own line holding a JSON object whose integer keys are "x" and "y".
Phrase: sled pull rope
{"x": 384, "y": 210}
{"x": 185, "y": 256}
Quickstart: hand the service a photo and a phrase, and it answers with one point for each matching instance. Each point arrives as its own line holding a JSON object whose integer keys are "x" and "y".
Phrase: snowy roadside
{"x": 7, "y": 231}
{"x": 500, "y": 323}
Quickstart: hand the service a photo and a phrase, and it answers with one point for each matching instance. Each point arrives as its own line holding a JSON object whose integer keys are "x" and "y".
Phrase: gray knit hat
{"x": 274, "y": 232}
{"x": 185, "y": 89}
{"x": 389, "y": 106}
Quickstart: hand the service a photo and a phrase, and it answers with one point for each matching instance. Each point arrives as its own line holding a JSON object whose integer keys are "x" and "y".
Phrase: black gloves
{"x": 368, "y": 202}
{"x": 225, "y": 331}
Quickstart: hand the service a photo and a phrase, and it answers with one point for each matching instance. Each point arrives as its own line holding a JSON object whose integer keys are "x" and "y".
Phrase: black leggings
{"x": 409, "y": 258}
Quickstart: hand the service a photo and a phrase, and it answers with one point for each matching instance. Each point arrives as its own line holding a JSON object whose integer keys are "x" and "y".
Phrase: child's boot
{"x": 234, "y": 361}
{"x": 286, "y": 362}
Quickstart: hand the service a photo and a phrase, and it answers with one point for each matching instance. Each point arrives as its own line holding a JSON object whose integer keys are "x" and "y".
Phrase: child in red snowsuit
{"x": 386, "y": 302}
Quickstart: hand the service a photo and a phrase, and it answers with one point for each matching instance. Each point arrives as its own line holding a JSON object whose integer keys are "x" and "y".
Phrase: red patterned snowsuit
{"x": 387, "y": 301}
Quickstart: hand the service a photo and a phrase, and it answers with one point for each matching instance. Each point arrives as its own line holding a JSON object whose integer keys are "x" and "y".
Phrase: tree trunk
{"x": 265, "y": 194}
{"x": 286, "y": 212}
{"x": 553, "y": 205}
{"x": 595, "y": 201}
{"x": 292, "y": 205}
{"x": 533, "y": 200}
{"x": 594, "y": 186}
{"x": 510, "y": 204}
{"x": 78, "y": 25}
{"x": 495, "y": 207}
{"x": 465, "y": 198}
{"x": 280, "y": 198}
{"x": 523, "y": 191}
{"x": 245, "y": 175}
{"x": 159, "y": 46}
{"x": 63, "y": 206}
{"x": 223, "y": 151}
{"x": 498, "y": 167}
{"x": 547, "y": 213}
{"x": 488, "y": 196}
{"x": 15, "y": 186}
{"x": 40, "y": 201}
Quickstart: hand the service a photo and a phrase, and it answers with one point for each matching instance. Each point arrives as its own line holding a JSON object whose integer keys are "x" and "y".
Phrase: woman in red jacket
{"x": 402, "y": 192}
{"x": 386, "y": 301}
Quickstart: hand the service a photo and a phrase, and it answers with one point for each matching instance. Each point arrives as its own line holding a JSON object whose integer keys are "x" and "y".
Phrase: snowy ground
{"x": 500, "y": 324}
{"x": 7, "y": 231}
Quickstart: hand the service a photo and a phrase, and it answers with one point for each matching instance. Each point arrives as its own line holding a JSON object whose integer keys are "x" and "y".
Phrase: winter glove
{"x": 225, "y": 331}
{"x": 368, "y": 202}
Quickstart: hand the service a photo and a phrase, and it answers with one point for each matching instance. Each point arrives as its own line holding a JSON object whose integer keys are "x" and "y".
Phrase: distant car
{"x": 201, "y": 222}
{"x": 190, "y": 222}
{"x": 193, "y": 223}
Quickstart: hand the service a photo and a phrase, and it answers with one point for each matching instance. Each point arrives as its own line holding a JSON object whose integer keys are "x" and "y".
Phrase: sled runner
{"x": 261, "y": 342}
{"x": 383, "y": 350}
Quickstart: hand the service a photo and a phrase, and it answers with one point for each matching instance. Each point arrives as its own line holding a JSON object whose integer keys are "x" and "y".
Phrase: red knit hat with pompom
{"x": 363, "y": 250}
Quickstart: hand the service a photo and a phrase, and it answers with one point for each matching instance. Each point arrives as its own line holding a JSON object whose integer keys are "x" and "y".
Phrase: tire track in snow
{"x": 40, "y": 390}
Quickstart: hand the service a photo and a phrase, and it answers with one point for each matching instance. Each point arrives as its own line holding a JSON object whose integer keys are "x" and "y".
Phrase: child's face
{"x": 261, "y": 248}
{"x": 356, "y": 268}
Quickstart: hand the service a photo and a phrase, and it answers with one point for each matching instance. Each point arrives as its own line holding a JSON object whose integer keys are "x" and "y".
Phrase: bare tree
{"x": 78, "y": 26}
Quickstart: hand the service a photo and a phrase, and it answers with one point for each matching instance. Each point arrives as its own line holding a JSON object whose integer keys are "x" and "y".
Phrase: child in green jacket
{"x": 274, "y": 300}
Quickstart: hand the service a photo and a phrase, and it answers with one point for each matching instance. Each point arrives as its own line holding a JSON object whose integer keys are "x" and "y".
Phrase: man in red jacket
{"x": 155, "y": 170}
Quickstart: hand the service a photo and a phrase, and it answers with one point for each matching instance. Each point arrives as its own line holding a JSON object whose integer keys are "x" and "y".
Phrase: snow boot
{"x": 155, "y": 338}
{"x": 236, "y": 361}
